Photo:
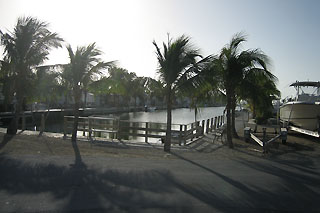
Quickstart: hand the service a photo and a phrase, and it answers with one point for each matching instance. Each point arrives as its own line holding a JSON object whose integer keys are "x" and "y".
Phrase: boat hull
{"x": 302, "y": 115}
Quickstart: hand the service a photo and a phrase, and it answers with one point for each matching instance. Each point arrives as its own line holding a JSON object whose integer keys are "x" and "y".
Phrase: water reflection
{"x": 158, "y": 120}
{"x": 179, "y": 116}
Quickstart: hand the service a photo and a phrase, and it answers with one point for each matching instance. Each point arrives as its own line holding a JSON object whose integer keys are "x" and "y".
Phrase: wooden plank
{"x": 256, "y": 139}
{"x": 142, "y": 135}
{"x": 273, "y": 139}
{"x": 104, "y": 130}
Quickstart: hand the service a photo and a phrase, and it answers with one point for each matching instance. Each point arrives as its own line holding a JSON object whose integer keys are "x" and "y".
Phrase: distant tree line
{"x": 183, "y": 72}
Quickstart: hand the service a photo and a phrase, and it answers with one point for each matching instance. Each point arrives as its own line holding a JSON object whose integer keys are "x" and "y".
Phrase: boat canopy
{"x": 306, "y": 84}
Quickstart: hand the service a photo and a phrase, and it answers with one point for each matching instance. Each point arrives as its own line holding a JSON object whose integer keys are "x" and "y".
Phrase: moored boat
{"x": 304, "y": 110}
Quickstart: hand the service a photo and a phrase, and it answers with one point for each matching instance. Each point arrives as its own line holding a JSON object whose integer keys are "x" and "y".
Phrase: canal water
{"x": 158, "y": 119}
{"x": 179, "y": 116}
{"x": 54, "y": 122}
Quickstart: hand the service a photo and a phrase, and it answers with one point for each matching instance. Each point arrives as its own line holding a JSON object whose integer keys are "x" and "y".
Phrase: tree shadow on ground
{"x": 5, "y": 140}
{"x": 91, "y": 190}
{"x": 296, "y": 190}
{"x": 127, "y": 190}
{"x": 301, "y": 186}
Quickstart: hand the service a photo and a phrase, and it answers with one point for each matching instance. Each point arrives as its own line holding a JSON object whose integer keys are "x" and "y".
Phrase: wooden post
{"x": 192, "y": 136}
{"x": 64, "y": 128}
{"x": 197, "y": 129}
{"x": 247, "y": 134}
{"x": 180, "y": 135}
{"x": 118, "y": 126}
{"x": 215, "y": 122}
{"x": 146, "y": 137}
{"x": 23, "y": 127}
{"x": 42, "y": 127}
{"x": 207, "y": 126}
{"x": 211, "y": 125}
{"x": 90, "y": 127}
{"x": 218, "y": 123}
{"x": 185, "y": 135}
{"x": 202, "y": 130}
{"x": 84, "y": 128}
{"x": 264, "y": 139}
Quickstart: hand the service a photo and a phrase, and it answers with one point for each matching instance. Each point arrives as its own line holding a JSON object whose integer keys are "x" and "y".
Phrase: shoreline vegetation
{"x": 53, "y": 144}
{"x": 32, "y": 142}
{"x": 185, "y": 76}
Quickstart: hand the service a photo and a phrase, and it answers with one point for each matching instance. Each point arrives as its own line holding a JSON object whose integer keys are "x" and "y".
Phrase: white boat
{"x": 303, "y": 111}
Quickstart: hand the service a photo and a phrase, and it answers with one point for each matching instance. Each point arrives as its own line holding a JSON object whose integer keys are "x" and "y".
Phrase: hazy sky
{"x": 288, "y": 31}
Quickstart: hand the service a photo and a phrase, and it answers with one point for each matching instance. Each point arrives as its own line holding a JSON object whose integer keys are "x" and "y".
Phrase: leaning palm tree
{"x": 234, "y": 66}
{"x": 84, "y": 64}
{"x": 26, "y": 47}
{"x": 177, "y": 63}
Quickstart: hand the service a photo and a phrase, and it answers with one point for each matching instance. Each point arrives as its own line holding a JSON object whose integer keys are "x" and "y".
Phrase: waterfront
{"x": 179, "y": 116}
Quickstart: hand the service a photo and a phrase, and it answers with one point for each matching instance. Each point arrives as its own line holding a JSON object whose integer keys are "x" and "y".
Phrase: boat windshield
{"x": 308, "y": 94}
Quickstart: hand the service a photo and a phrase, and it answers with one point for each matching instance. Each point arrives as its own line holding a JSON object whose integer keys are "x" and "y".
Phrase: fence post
{"x": 185, "y": 134}
{"x": 180, "y": 135}
{"x": 64, "y": 127}
{"x": 42, "y": 123}
{"x": 118, "y": 126}
{"x": 90, "y": 127}
{"x": 215, "y": 122}
{"x": 192, "y": 136}
{"x": 211, "y": 125}
{"x": 207, "y": 126}
{"x": 84, "y": 128}
{"x": 23, "y": 127}
{"x": 146, "y": 137}
{"x": 197, "y": 129}
{"x": 202, "y": 130}
{"x": 218, "y": 123}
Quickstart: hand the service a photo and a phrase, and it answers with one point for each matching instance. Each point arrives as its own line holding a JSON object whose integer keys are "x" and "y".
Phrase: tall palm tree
{"x": 26, "y": 47}
{"x": 259, "y": 91}
{"x": 84, "y": 64}
{"x": 234, "y": 65}
{"x": 177, "y": 63}
{"x": 7, "y": 82}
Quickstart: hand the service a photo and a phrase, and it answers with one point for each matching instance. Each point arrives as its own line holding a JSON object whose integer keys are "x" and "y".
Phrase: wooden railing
{"x": 95, "y": 126}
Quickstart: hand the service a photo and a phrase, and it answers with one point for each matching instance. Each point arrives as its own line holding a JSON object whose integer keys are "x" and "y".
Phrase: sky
{"x": 288, "y": 31}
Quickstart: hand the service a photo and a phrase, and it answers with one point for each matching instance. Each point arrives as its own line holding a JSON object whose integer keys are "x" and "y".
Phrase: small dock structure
{"x": 114, "y": 128}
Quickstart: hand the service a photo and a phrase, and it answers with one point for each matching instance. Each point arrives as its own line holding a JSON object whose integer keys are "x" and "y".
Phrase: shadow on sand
{"x": 115, "y": 190}
{"x": 6, "y": 139}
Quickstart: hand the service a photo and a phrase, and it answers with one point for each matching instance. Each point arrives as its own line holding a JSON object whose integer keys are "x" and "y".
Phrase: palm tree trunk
{"x": 13, "y": 126}
{"x": 76, "y": 114}
{"x": 167, "y": 143}
{"x": 234, "y": 131}
{"x": 229, "y": 125}
{"x": 85, "y": 98}
{"x": 253, "y": 111}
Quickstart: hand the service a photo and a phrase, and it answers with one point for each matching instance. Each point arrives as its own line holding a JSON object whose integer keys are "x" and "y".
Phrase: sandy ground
{"x": 48, "y": 174}
{"x": 298, "y": 146}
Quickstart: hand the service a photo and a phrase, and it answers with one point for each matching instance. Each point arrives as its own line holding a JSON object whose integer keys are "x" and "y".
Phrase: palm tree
{"x": 7, "y": 82}
{"x": 259, "y": 91}
{"x": 84, "y": 64}
{"x": 47, "y": 87}
{"x": 154, "y": 90}
{"x": 26, "y": 47}
{"x": 234, "y": 65}
{"x": 177, "y": 63}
